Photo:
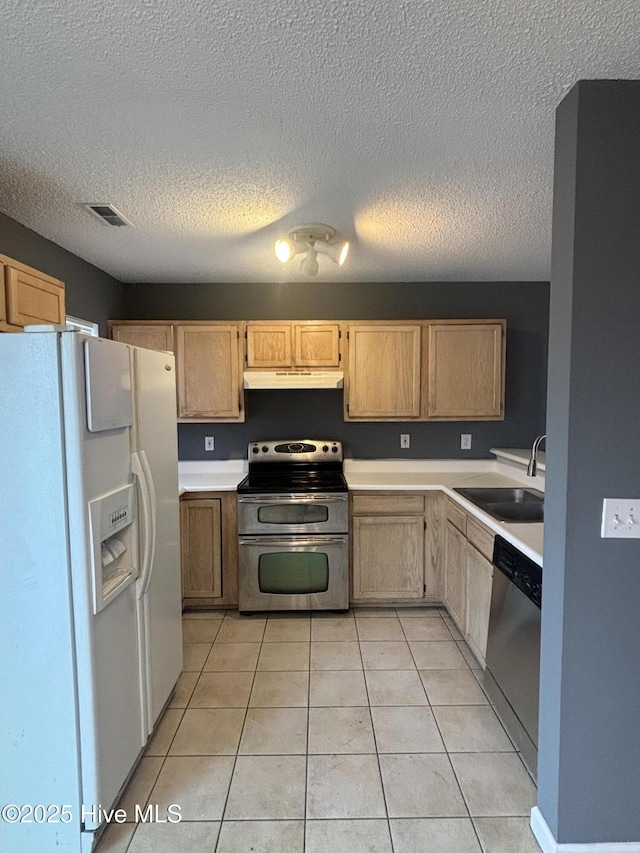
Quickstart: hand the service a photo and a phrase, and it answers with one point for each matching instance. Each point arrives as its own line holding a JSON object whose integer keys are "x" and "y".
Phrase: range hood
{"x": 297, "y": 379}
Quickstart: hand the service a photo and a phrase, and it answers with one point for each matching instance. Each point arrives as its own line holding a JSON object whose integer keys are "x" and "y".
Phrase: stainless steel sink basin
{"x": 508, "y": 504}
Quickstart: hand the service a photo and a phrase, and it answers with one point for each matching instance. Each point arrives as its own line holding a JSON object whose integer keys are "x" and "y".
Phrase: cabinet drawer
{"x": 480, "y": 537}
{"x": 388, "y": 504}
{"x": 456, "y": 516}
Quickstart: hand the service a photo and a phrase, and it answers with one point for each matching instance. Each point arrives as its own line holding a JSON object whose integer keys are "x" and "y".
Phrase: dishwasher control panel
{"x": 520, "y": 569}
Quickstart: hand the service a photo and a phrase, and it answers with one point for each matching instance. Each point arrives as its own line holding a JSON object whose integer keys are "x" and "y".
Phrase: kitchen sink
{"x": 508, "y": 504}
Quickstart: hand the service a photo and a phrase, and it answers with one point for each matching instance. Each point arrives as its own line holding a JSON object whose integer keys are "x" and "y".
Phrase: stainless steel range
{"x": 293, "y": 527}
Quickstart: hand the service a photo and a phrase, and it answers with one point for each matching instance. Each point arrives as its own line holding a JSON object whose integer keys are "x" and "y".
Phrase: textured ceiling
{"x": 421, "y": 129}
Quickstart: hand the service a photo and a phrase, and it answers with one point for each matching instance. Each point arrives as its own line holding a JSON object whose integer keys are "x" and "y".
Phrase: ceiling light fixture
{"x": 313, "y": 239}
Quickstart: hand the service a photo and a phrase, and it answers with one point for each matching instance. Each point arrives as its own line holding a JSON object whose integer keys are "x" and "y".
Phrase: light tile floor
{"x": 362, "y": 733}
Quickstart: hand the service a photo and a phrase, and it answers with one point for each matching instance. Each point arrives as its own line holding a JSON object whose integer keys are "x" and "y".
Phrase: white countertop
{"x": 410, "y": 474}
{"x": 216, "y": 476}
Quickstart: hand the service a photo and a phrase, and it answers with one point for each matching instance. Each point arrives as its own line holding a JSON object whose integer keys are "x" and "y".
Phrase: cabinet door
{"x": 465, "y": 371}
{"x": 316, "y": 345}
{"x": 383, "y": 374}
{"x": 147, "y": 335}
{"x": 388, "y": 557}
{"x": 208, "y": 363}
{"x": 32, "y": 297}
{"x": 201, "y": 548}
{"x": 3, "y": 304}
{"x": 4, "y": 325}
{"x": 268, "y": 346}
{"x": 434, "y": 546}
{"x": 479, "y": 583}
{"x": 455, "y": 584}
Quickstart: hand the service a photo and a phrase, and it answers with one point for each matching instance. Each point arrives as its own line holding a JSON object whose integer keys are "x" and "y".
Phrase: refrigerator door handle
{"x": 147, "y": 513}
{"x": 153, "y": 526}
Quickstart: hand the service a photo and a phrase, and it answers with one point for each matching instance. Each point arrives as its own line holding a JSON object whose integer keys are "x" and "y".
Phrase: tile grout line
{"x": 375, "y": 743}
{"x": 306, "y": 763}
{"x": 235, "y": 758}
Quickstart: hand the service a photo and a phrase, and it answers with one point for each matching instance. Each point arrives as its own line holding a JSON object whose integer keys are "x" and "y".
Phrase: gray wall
{"x": 309, "y": 414}
{"x": 89, "y": 292}
{"x": 589, "y": 760}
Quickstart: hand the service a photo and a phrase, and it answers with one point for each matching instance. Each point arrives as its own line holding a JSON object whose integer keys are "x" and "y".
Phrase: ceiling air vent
{"x": 107, "y": 213}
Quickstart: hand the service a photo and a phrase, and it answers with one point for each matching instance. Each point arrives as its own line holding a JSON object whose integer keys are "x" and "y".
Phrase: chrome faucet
{"x": 532, "y": 467}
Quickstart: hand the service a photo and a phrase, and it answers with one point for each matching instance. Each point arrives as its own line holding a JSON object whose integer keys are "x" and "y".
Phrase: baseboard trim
{"x": 548, "y": 844}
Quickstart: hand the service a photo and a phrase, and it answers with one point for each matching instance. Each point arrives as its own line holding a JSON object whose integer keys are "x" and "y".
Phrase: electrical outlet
{"x": 405, "y": 440}
{"x": 620, "y": 518}
{"x": 209, "y": 442}
{"x": 465, "y": 441}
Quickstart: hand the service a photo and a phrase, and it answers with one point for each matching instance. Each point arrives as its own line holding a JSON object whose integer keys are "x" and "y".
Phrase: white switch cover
{"x": 465, "y": 441}
{"x": 209, "y": 442}
{"x": 620, "y": 518}
{"x": 405, "y": 439}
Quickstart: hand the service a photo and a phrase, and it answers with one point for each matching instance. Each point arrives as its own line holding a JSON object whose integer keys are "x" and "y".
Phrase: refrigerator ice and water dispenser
{"x": 113, "y": 555}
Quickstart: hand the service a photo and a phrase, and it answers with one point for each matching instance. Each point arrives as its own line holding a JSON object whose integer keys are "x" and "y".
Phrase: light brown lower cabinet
{"x": 479, "y": 583}
{"x": 388, "y": 557}
{"x": 208, "y": 538}
{"x": 455, "y": 576}
{"x": 395, "y": 547}
{"x": 468, "y": 577}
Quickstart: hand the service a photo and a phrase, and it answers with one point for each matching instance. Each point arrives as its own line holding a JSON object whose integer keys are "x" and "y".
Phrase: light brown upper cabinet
{"x": 420, "y": 370}
{"x": 158, "y": 336}
{"x": 316, "y": 345}
{"x": 290, "y": 345}
{"x": 268, "y": 346}
{"x": 209, "y": 358}
{"x": 29, "y": 296}
{"x": 464, "y": 374}
{"x": 383, "y": 372}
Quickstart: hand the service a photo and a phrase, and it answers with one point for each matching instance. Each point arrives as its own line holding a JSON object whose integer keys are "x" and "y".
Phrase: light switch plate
{"x": 209, "y": 442}
{"x": 620, "y": 518}
{"x": 405, "y": 440}
{"x": 465, "y": 441}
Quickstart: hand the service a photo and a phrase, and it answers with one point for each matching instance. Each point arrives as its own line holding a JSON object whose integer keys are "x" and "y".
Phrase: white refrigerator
{"x": 90, "y": 597}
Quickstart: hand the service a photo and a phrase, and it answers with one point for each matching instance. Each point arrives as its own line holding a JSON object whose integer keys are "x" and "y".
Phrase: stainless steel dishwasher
{"x": 512, "y": 676}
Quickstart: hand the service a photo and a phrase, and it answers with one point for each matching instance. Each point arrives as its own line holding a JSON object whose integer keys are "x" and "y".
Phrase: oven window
{"x": 293, "y": 514}
{"x": 293, "y": 572}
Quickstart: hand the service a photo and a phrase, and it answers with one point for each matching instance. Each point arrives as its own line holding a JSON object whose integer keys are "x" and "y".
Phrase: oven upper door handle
{"x": 292, "y": 541}
{"x": 297, "y": 498}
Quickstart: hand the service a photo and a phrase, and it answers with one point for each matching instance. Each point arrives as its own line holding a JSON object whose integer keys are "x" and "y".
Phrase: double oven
{"x": 293, "y": 522}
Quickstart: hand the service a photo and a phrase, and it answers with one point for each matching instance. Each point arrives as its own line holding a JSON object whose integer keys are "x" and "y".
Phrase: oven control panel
{"x": 303, "y": 450}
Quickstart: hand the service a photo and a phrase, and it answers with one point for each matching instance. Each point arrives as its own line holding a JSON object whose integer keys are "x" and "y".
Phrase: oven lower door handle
{"x": 295, "y": 541}
{"x": 290, "y": 498}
